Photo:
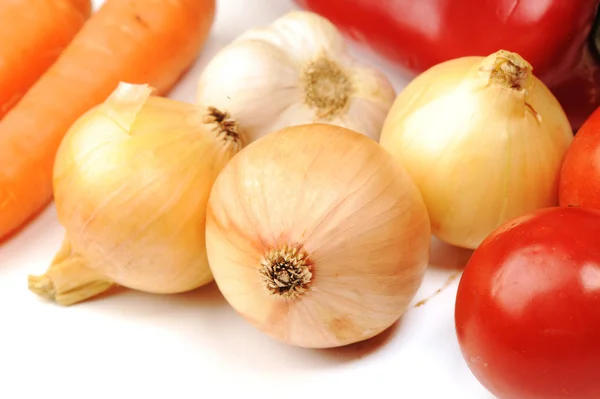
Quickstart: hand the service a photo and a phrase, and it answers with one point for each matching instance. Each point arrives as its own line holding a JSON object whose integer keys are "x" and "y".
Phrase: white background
{"x": 131, "y": 344}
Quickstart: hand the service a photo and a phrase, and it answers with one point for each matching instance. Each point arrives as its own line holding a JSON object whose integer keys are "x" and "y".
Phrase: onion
{"x": 483, "y": 139}
{"x": 317, "y": 236}
{"x": 131, "y": 182}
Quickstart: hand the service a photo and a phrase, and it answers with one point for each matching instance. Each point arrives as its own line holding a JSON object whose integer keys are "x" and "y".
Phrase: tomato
{"x": 528, "y": 307}
{"x": 580, "y": 174}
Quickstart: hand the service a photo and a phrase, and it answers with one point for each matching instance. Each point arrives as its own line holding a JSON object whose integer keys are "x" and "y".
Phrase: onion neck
{"x": 511, "y": 71}
{"x": 225, "y": 127}
{"x": 327, "y": 87}
{"x": 68, "y": 280}
{"x": 286, "y": 272}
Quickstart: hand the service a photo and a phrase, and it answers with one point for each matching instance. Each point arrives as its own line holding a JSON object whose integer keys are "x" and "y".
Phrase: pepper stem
{"x": 68, "y": 280}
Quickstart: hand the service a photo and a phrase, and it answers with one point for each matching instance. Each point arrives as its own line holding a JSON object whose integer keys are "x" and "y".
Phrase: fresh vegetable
{"x": 580, "y": 174}
{"x": 317, "y": 236}
{"x": 296, "y": 70}
{"x": 131, "y": 181}
{"x": 32, "y": 35}
{"x": 483, "y": 140}
{"x": 559, "y": 38}
{"x": 528, "y": 307}
{"x": 137, "y": 41}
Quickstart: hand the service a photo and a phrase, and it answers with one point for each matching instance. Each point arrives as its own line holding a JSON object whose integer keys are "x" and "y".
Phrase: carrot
{"x": 32, "y": 35}
{"x": 137, "y": 41}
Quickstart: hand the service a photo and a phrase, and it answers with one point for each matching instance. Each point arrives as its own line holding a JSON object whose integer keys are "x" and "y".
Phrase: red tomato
{"x": 528, "y": 307}
{"x": 580, "y": 174}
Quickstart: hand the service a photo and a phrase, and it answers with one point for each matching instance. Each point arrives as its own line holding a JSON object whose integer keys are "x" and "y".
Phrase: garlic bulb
{"x": 317, "y": 236}
{"x": 131, "y": 183}
{"x": 295, "y": 71}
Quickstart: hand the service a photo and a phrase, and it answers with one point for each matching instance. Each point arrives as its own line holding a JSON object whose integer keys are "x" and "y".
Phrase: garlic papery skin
{"x": 295, "y": 71}
{"x": 483, "y": 139}
{"x": 317, "y": 236}
{"x": 132, "y": 179}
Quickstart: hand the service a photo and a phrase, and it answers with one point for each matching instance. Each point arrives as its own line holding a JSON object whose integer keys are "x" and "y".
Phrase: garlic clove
{"x": 269, "y": 84}
{"x": 301, "y": 35}
{"x": 295, "y": 113}
{"x": 363, "y": 116}
{"x": 371, "y": 85}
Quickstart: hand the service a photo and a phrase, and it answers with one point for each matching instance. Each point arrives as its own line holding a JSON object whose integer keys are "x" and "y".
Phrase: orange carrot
{"x": 32, "y": 35}
{"x": 137, "y": 41}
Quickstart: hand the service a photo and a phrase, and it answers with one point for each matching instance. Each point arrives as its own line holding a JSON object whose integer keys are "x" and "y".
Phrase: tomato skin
{"x": 580, "y": 174}
{"x": 528, "y": 307}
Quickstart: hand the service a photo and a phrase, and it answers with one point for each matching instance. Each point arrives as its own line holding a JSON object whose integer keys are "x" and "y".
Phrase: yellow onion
{"x": 131, "y": 183}
{"x": 317, "y": 236}
{"x": 483, "y": 139}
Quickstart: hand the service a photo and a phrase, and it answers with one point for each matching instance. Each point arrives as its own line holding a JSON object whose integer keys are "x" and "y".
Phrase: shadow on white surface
{"x": 192, "y": 312}
{"x": 448, "y": 257}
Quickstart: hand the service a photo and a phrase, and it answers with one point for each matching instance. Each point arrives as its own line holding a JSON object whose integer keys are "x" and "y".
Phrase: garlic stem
{"x": 68, "y": 280}
{"x": 327, "y": 88}
{"x": 286, "y": 272}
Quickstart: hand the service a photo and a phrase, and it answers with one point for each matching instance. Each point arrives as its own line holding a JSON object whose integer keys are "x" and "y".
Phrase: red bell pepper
{"x": 558, "y": 37}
